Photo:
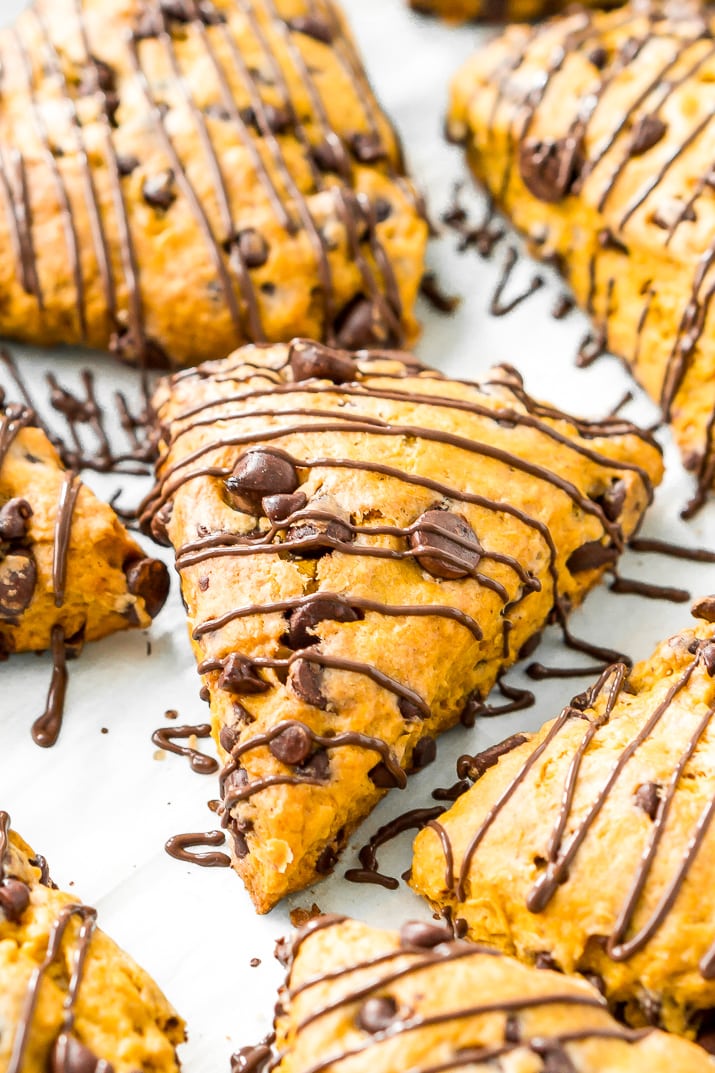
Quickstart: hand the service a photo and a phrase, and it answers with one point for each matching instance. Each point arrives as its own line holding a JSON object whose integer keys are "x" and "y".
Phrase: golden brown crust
{"x": 397, "y": 1002}
{"x": 66, "y": 561}
{"x": 594, "y": 134}
{"x": 186, "y": 176}
{"x": 459, "y": 11}
{"x": 319, "y": 619}
{"x": 119, "y": 1015}
{"x": 640, "y": 753}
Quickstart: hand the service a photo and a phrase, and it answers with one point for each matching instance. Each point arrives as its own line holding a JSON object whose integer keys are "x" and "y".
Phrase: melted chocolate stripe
{"x": 69, "y": 493}
{"x": 19, "y": 218}
{"x": 199, "y": 762}
{"x": 179, "y": 846}
{"x": 4, "y": 841}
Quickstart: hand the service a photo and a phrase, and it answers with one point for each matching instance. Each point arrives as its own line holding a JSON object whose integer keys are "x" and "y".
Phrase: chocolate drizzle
{"x": 308, "y": 528}
{"x": 180, "y": 846}
{"x": 624, "y": 941}
{"x": 198, "y": 761}
{"x": 369, "y": 872}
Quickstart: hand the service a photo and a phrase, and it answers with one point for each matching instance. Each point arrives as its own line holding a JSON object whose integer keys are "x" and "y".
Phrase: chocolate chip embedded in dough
{"x": 312, "y": 26}
{"x": 14, "y": 516}
{"x": 421, "y": 934}
{"x": 292, "y": 746}
{"x": 549, "y": 169}
{"x": 704, "y": 609}
{"x": 18, "y": 577}
{"x": 646, "y": 133}
{"x": 361, "y": 325}
{"x": 647, "y": 797}
{"x": 437, "y": 552}
{"x": 423, "y": 754}
{"x": 320, "y": 608}
{"x": 14, "y": 899}
{"x": 252, "y": 247}
{"x": 240, "y": 676}
{"x": 278, "y": 508}
{"x": 368, "y": 148}
{"x": 149, "y": 579}
{"x": 313, "y": 361}
{"x": 259, "y": 473}
{"x": 306, "y": 681}
{"x": 158, "y": 190}
{"x": 377, "y": 1014}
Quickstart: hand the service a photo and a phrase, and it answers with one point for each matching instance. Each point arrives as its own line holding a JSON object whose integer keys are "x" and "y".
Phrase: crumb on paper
{"x": 171, "y": 713}
{"x": 104, "y": 730}
{"x": 159, "y": 754}
{"x": 299, "y": 917}
{"x": 255, "y": 962}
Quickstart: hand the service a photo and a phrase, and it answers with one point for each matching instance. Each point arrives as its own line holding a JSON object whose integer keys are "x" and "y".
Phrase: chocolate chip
{"x": 383, "y": 210}
{"x": 306, "y": 679}
{"x": 159, "y": 523}
{"x": 293, "y": 745}
{"x": 608, "y": 241}
{"x": 437, "y": 552}
{"x": 473, "y": 767}
{"x": 651, "y": 1008}
{"x": 126, "y": 164}
{"x": 421, "y": 934}
{"x": 204, "y": 583}
{"x": 158, "y": 190}
{"x": 14, "y": 516}
{"x": 613, "y": 500}
{"x": 278, "y": 508}
{"x": 252, "y": 247}
{"x": 381, "y": 777}
{"x": 512, "y": 1031}
{"x": 707, "y": 652}
{"x": 377, "y": 1014}
{"x": 598, "y": 57}
{"x": 360, "y": 325}
{"x": 229, "y": 738}
{"x": 259, "y": 473}
{"x": 544, "y": 960}
{"x": 424, "y": 753}
{"x": 178, "y": 10}
{"x": 312, "y": 26}
{"x": 18, "y": 577}
{"x": 240, "y": 676}
{"x": 326, "y": 156}
{"x": 71, "y": 1056}
{"x": 317, "y": 766}
{"x": 14, "y": 899}
{"x": 368, "y": 148}
{"x": 646, "y": 133}
{"x": 277, "y": 119}
{"x": 312, "y": 361}
{"x": 591, "y": 556}
{"x": 149, "y": 579}
{"x": 326, "y": 861}
{"x": 704, "y": 609}
{"x": 320, "y": 608}
{"x": 549, "y": 169}
{"x": 647, "y": 797}
{"x": 409, "y": 711}
{"x": 240, "y": 845}
{"x": 331, "y": 524}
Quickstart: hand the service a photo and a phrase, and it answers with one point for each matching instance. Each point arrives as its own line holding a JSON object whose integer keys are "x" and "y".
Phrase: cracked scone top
{"x": 364, "y": 545}
{"x": 590, "y": 846}
{"x": 417, "y": 1001}
{"x": 181, "y": 176}
{"x": 67, "y": 563}
{"x": 70, "y": 999}
{"x": 595, "y": 134}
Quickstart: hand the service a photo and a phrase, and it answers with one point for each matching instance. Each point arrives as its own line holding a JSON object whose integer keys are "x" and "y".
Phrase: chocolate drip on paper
{"x": 369, "y": 872}
{"x": 180, "y": 848}
{"x": 198, "y": 761}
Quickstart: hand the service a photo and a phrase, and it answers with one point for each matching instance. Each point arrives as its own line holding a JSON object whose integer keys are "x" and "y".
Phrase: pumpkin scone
{"x": 589, "y": 846}
{"x": 178, "y": 177}
{"x": 70, "y": 1000}
{"x": 364, "y": 546}
{"x": 69, "y": 571}
{"x": 459, "y": 11}
{"x": 418, "y": 1001}
{"x": 595, "y": 134}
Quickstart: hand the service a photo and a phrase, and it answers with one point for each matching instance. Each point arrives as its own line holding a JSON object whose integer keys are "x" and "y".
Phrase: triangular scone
{"x": 422, "y": 530}
{"x": 66, "y": 561}
{"x": 595, "y": 134}
{"x": 178, "y": 177}
{"x": 590, "y": 846}
{"x": 493, "y": 10}
{"x": 417, "y": 1001}
{"x": 70, "y": 999}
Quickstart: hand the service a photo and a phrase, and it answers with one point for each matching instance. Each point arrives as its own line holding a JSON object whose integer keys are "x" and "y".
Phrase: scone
{"x": 589, "y": 847}
{"x": 70, "y": 1000}
{"x": 594, "y": 133}
{"x": 178, "y": 177}
{"x": 417, "y": 1001}
{"x": 363, "y": 546}
{"x": 66, "y": 561}
{"x": 494, "y": 10}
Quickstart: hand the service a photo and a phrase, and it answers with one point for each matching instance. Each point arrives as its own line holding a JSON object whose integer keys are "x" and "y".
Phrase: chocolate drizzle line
{"x": 278, "y": 539}
{"x": 688, "y": 56}
{"x": 497, "y": 306}
{"x": 69, "y": 493}
{"x": 562, "y": 850}
{"x": 46, "y": 728}
{"x": 179, "y": 847}
{"x": 198, "y": 761}
{"x": 369, "y": 872}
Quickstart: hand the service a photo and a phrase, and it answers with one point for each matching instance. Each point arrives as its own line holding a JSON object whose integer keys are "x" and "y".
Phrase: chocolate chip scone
{"x": 595, "y": 134}
{"x": 364, "y": 546}
{"x": 495, "y": 10}
{"x": 418, "y": 1001}
{"x": 589, "y": 847}
{"x": 69, "y": 571}
{"x": 70, "y": 1000}
{"x": 178, "y": 177}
